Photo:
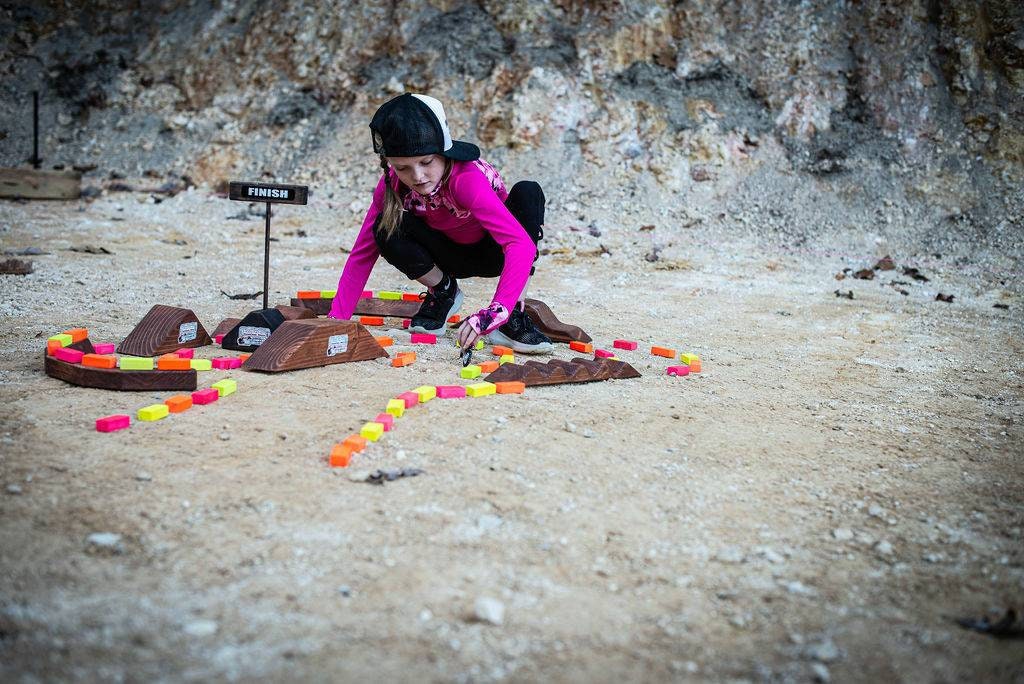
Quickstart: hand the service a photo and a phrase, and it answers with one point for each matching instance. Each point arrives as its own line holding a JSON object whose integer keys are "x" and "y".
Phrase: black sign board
{"x": 266, "y": 192}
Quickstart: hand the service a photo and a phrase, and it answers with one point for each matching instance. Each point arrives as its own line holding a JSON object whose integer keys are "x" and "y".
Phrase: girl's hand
{"x": 481, "y": 323}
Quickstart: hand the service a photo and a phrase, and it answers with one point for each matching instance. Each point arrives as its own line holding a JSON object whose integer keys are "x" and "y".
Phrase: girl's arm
{"x": 360, "y": 261}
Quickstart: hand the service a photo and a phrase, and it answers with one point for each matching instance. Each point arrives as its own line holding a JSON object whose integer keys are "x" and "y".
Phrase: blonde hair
{"x": 391, "y": 215}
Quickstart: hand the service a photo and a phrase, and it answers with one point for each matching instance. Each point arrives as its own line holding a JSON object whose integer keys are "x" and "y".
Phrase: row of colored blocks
{"x": 175, "y": 404}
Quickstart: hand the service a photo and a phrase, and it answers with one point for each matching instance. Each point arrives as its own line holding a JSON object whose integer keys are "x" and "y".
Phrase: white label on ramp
{"x": 252, "y": 336}
{"x": 188, "y": 332}
{"x": 337, "y": 344}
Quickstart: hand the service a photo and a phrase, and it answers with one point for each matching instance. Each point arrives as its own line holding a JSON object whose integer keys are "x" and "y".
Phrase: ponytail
{"x": 391, "y": 215}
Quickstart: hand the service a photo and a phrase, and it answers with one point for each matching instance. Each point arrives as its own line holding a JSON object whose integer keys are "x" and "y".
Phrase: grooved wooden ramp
{"x": 548, "y": 323}
{"x": 164, "y": 329}
{"x": 312, "y": 342}
{"x": 115, "y": 378}
{"x": 558, "y": 372}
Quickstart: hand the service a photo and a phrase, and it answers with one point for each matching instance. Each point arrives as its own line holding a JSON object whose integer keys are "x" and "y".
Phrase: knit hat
{"x": 412, "y": 125}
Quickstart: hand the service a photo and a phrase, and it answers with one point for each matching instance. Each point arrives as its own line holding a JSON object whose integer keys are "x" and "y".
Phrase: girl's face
{"x": 421, "y": 174}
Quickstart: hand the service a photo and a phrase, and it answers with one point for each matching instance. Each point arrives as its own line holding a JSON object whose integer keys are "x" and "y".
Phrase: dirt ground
{"x": 842, "y": 480}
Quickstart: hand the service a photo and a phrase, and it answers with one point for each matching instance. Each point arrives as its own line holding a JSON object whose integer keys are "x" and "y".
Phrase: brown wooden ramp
{"x": 163, "y": 330}
{"x": 312, "y": 342}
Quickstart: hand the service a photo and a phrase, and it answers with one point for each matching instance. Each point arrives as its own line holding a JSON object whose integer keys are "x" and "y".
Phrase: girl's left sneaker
{"x": 521, "y": 335}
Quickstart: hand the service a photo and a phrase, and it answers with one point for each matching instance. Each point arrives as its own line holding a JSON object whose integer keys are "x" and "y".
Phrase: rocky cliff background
{"x": 897, "y": 124}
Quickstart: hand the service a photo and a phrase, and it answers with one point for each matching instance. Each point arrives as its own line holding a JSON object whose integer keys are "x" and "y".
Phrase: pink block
{"x": 603, "y": 353}
{"x": 451, "y": 391}
{"x": 69, "y": 355}
{"x": 218, "y": 338}
{"x": 385, "y": 419}
{"x": 113, "y": 423}
{"x": 185, "y": 353}
{"x": 677, "y": 370}
{"x": 410, "y": 398}
{"x": 104, "y": 348}
{"x": 624, "y": 344}
{"x": 205, "y": 396}
{"x": 367, "y": 294}
{"x": 406, "y": 322}
{"x": 423, "y": 338}
{"x": 221, "y": 362}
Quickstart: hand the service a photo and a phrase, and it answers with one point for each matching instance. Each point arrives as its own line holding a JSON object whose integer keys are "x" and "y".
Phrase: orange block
{"x": 410, "y": 297}
{"x": 403, "y": 359}
{"x": 355, "y": 442}
{"x": 509, "y": 387}
{"x": 178, "y": 403}
{"x": 99, "y": 361}
{"x": 371, "y": 320}
{"x": 499, "y": 350}
{"x": 695, "y": 366}
{"x": 585, "y": 347}
{"x": 664, "y": 351}
{"x": 309, "y": 294}
{"x": 52, "y": 346}
{"x": 77, "y": 334}
{"x": 384, "y": 341}
{"x": 488, "y": 366}
{"x": 172, "y": 362}
{"x": 341, "y": 456}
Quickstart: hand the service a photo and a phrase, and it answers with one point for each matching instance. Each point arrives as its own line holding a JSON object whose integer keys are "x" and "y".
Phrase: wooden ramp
{"x": 163, "y": 330}
{"x": 312, "y": 342}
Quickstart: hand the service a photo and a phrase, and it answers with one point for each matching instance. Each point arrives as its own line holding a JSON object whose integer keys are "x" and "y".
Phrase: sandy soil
{"x": 841, "y": 481}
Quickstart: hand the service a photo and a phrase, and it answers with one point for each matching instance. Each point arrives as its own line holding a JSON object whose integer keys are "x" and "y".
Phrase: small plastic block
{"x": 52, "y": 346}
{"x": 113, "y": 423}
{"x": 77, "y": 334}
{"x": 396, "y": 407}
{"x": 173, "y": 362}
{"x": 69, "y": 355}
{"x": 479, "y": 345}
{"x": 371, "y": 320}
{"x": 664, "y": 351}
{"x": 410, "y": 399}
{"x": 153, "y": 412}
{"x": 221, "y": 362}
{"x": 585, "y": 347}
{"x": 341, "y": 456}
{"x": 63, "y": 338}
{"x": 677, "y": 370}
{"x": 488, "y": 366}
{"x": 404, "y": 359}
{"x": 688, "y": 358}
{"x": 481, "y": 389}
{"x": 328, "y": 294}
{"x": 603, "y": 354}
{"x": 624, "y": 344}
{"x": 451, "y": 391}
{"x": 384, "y": 341}
{"x": 509, "y": 387}
{"x": 454, "y": 318}
{"x": 225, "y": 387}
{"x": 200, "y": 364}
{"x": 355, "y": 442}
{"x": 410, "y": 297}
{"x": 469, "y": 372}
{"x": 387, "y": 420}
{"x": 309, "y": 294}
{"x": 135, "y": 363}
{"x": 366, "y": 294}
{"x": 178, "y": 403}
{"x": 499, "y": 350}
{"x": 104, "y": 347}
{"x": 425, "y": 393}
{"x": 423, "y": 338}
{"x": 218, "y": 338}
{"x": 372, "y": 431}
{"x": 506, "y": 358}
{"x": 185, "y": 353}
{"x": 406, "y": 322}
{"x": 389, "y": 295}
{"x": 205, "y": 396}
{"x": 99, "y": 361}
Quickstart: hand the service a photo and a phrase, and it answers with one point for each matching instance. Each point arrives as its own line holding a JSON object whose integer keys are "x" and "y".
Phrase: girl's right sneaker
{"x": 521, "y": 334}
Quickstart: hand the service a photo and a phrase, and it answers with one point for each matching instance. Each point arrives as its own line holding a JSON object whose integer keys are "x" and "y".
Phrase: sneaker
{"x": 438, "y": 306}
{"x": 521, "y": 335}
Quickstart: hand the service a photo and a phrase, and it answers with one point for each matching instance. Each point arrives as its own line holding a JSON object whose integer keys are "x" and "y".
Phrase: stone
{"x": 489, "y": 610}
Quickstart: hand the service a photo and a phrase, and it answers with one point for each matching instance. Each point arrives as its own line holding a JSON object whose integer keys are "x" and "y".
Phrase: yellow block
{"x": 425, "y": 393}
{"x": 688, "y": 358}
{"x": 480, "y": 389}
{"x": 64, "y": 340}
{"x": 470, "y": 371}
{"x": 134, "y": 363}
{"x": 328, "y": 294}
{"x": 201, "y": 364}
{"x": 396, "y": 407}
{"x": 389, "y": 295}
{"x": 372, "y": 431}
{"x": 154, "y": 412}
{"x": 506, "y": 358}
{"x": 225, "y": 387}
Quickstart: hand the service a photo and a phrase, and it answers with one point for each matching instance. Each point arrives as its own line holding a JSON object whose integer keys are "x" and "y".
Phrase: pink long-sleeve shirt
{"x": 468, "y": 205}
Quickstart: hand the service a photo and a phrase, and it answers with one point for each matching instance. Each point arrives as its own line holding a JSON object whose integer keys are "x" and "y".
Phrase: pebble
{"x": 489, "y": 610}
{"x": 200, "y": 628}
{"x": 13, "y": 489}
{"x": 105, "y": 541}
{"x": 842, "y": 534}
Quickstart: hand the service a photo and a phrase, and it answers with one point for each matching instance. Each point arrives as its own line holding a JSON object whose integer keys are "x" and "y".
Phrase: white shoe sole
{"x": 451, "y": 312}
{"x": 498, "y": 337}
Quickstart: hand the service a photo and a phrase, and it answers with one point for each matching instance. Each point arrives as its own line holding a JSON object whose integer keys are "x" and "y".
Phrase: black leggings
{"x": 415, "y": 247}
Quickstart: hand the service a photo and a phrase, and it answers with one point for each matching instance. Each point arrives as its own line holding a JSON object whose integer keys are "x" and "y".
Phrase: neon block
{"x": 479, "y": 344}
{"x": 499, "y": 350}
{"x": 104, "y": 347}
{"x": 328, "y": 294}
{"x": 410, "y": 399}
{"x": 406, "y": 322}
{"x": 663, "y": 351}
{"x": 200, "y": 364}
{"x": 372, "y": 431}
{"x": 677, "y": 370}
{"x": 77, "y": 334}
{"x": 488, "y": 366}
{"x": 423, "y": 338}
{"x": 624, "y": 344}
{"x": 688, "y": 358}
{"x": 366, "y": 294}
{"x": 384, "y": 341}
{"x": 178, "y": 403}
{"x": 69, "y": 355}
{"x": 585, "y": 347}
{"x": 455, "y": 318}
{"x": 410, "y": 297}
{"x": 309, "y": 294}
{"x": 425, "y": 393}
{"x": 603, "y": 354}
{"x": 355, "y": 442}
{"x": 404, "y": 359}
{"x": 469, "y": 372}
{"x": 173, "y": 362}
{"x": 480, "y": 389}
{"x": 389, "y": 295}
{"x": 387, "y": 420}
{"x": 134, "y": 363}
{"x": 509, "y": 387}
{"x": 506, "y": 358}
{"x": 153, "y": 412}
{"x": 371, "y": 320}
{"x": 205, "y": 396}
{"x": 451, "y": 391}
{"x": 396, "y": 407}
{"x": 225, "y": 387}
{"x": 52, "y": 346}
{"x": 99, "y": 361}
{"x": 63, "y": 338}
{"x": 113, "y": 423}
{"x": 185, "y": 353}
{"x": 341, "y": 456}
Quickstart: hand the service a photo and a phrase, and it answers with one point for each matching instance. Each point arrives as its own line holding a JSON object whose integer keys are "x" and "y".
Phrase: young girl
{"x": 440, "y": 213}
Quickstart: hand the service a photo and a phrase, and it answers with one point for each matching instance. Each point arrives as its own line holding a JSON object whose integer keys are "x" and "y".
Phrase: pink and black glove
{"x": 481, "y": 323}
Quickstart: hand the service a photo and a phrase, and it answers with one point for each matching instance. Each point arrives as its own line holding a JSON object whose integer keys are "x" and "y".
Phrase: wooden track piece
{"x": 548, "y": 323}
{"x": 313, "y": 342}
{"x": 225, "y": 326}
{"x": 115, "y": 378}
{"x": 253, "y": 331}
{"x": 163, "y": 330}
{"x": 557, "y": 372}
{"x": 292, "y": 313}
